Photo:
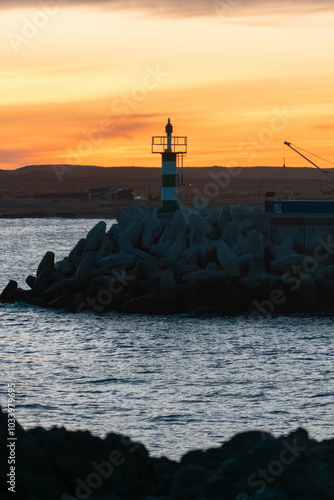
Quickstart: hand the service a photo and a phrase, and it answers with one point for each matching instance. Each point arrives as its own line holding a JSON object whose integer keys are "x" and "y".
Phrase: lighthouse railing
{"x": 160, "y": 144}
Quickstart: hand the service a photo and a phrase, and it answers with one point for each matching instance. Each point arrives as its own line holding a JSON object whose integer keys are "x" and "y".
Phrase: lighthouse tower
{"x": 172, "y": 149}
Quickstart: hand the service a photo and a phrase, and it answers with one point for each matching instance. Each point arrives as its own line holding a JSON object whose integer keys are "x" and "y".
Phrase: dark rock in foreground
{"x": 64, "y": 465}
{"x": 186, "y": 263}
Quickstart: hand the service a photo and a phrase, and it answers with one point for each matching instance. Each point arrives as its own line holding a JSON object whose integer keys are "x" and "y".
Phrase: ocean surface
{"x": 174, "y": 383}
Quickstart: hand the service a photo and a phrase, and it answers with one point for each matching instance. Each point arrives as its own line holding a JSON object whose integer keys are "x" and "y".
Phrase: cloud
{"x": 324, "y": 126}
{"x": 13, "y": 157}
{"x": 186, "y": 8}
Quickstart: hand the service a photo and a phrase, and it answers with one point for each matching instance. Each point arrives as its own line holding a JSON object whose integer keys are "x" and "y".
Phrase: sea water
{"x": 174, "y": 383}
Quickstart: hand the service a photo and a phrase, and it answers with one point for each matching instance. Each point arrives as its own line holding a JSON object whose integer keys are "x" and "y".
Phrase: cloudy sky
{"x": 89, "y": 82}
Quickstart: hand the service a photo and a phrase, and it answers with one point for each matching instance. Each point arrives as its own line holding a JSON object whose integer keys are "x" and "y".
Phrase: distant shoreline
{"x": 35, "y": 208}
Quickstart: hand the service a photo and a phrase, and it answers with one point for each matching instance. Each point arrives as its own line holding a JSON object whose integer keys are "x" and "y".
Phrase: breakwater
{"x": 224, "y": 262}
{"x": 66, "y": 465}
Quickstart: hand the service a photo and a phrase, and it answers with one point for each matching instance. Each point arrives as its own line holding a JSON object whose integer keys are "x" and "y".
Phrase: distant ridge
{"x": 65, "y": 165}
{"x": 47, "y": 167}
{"x": 66, "y": 170}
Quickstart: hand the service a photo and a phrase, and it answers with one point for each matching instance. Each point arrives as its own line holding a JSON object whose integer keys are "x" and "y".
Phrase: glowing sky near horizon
{"x": 87, "y": 82}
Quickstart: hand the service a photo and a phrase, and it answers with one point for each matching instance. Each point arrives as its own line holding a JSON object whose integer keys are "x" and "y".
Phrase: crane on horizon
{"x": 293, "y": 147}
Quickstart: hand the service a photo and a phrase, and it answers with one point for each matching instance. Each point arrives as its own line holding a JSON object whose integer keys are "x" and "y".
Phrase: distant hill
{"x": 46, "y": 169}
{"x": 87, "y": 170}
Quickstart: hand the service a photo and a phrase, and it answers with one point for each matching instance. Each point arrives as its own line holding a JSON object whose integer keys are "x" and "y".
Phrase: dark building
{"x": 110, "y": 193}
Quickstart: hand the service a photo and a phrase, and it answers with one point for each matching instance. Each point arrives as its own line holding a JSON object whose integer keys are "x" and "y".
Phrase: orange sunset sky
{"x": 89, "y": 82}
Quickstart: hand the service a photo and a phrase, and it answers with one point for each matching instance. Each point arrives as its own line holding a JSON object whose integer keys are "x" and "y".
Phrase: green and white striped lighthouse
{"x": 172, "y": 149}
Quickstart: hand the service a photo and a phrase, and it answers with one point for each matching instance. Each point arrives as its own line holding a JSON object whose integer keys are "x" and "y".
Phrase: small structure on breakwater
{"x": 110, "y": 193}
{"x": 230, "y": 261}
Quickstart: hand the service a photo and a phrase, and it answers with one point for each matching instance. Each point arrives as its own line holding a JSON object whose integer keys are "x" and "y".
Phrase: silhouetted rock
{"x": 76, "y": 253}
{"x": 66, "y": 465}
{"x": 95, "y": 237}
{"x": 64, "y": 267}
{"x": 57, "y": 289}
{"x": 30, "y": 280}
{"x": 9, "y": 288}
{"x": 47, "y": 262}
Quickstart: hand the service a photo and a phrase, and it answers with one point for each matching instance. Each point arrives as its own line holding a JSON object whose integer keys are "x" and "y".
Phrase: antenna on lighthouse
{"x": 172, "y": 149}
{"x": 169, "y": 131}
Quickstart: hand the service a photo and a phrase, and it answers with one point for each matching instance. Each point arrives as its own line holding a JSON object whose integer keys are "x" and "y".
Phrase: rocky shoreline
{"x": 65, "y": 465}
{"x": 186, "y": 262}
